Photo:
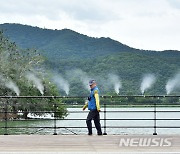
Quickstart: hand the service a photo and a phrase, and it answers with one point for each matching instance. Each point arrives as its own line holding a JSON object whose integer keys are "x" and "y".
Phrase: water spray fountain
{"x": 147, "y": 82}
{"x": 83, "y": 77}
{"x": 36, "y": 81}
{"x": 61, "y": 83}
{"x": 115, "y": 81}
{"x": 173, "y": 83}
{"x": 10, "y": 84}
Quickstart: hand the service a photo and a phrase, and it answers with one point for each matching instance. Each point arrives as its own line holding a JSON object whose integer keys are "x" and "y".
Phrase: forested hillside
{"x": 62, "y": 43}
{"x": 75, "y": 56}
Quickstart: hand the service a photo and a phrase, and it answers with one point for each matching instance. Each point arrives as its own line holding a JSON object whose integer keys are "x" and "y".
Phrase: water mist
{"x": 10, "y": 84}
{"x": 173, "y": 83}
{"x": 115, "y": 81}
{"x": 61, "y": 83}
{"x": 36, "y": 81}
{"x": 147, "y": 82}
{"x": 82, "y": 76}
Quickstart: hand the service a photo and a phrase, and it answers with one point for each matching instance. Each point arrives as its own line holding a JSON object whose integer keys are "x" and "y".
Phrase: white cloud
{"x": 144, "y": 24}
{"x": 174, "y": 3}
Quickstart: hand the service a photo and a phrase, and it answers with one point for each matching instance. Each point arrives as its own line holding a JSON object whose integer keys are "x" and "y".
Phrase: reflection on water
{"x": 110, "y": 115}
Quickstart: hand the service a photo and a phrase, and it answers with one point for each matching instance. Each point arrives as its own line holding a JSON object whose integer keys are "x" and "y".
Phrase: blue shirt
{"x": 92, "y": 101}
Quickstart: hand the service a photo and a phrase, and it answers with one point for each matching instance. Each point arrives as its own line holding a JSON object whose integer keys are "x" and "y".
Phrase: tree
{"x": 14, "y": 64}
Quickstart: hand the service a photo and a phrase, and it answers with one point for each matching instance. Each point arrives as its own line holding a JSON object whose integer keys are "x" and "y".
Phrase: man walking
{"x": 94, "y": 107}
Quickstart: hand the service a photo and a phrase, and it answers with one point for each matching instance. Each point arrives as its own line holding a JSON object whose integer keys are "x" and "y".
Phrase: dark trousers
{"x": 94, "y": 114}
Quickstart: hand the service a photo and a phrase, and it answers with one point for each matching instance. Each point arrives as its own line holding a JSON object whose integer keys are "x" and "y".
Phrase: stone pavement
{"x": 54, "y": 144}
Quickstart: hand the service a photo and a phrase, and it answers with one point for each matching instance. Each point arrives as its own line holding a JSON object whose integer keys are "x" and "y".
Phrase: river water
{"x": 118, "y": 113}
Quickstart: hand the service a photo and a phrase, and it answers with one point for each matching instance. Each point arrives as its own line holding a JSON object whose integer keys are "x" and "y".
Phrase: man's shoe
{"x": 99, "y": 134}
{"x": 89, "y": 134}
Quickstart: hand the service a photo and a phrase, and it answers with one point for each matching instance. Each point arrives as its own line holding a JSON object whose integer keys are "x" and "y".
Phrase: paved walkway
{"x": 88, "y": 144}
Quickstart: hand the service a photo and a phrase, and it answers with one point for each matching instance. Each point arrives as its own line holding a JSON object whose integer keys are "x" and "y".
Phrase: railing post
{"x": 5, "y": 117}
{"x": 55, "y": 108}
{"x": 104, "y": 119}
{"x": 155, "y": 133}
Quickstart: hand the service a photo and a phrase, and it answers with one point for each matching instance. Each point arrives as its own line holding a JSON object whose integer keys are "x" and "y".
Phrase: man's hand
{"x": 84, "y": 108}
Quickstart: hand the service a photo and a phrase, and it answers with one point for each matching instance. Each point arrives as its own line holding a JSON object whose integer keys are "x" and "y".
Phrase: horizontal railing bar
{"x": 120, "y": 119}
{"x": 131, "y": 106}
{"x": 129, "y": 111}
{"x": 140, "y": 96}
{"x": 32, "y": 112}
{"x": 142, "y": 126}
{"x": 160, "y": 96}
{"x": 94, "y": 127}
{"x": 142, "y": 111}
{"x": 54, "y": 97}
{"x": 80, "y": 105}
{"x": 87, "y": 111}
{"x": 41, "y": 127}
{"x": 36, "y": 119}
{"x": 121, "y": 111}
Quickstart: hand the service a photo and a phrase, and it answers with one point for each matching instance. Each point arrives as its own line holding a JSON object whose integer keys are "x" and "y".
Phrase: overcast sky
{"x": 143, "y": 24}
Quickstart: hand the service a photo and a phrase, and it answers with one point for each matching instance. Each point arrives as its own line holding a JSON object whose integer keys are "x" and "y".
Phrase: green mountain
{"x": 62, "y": 43}
{"x": 67, "y": 51}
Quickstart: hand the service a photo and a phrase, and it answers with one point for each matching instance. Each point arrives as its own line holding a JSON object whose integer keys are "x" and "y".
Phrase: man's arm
{"x": 96, "y": 95}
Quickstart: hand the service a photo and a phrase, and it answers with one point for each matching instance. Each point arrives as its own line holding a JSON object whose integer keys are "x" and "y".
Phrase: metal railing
{"x": 6, "y": 115}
